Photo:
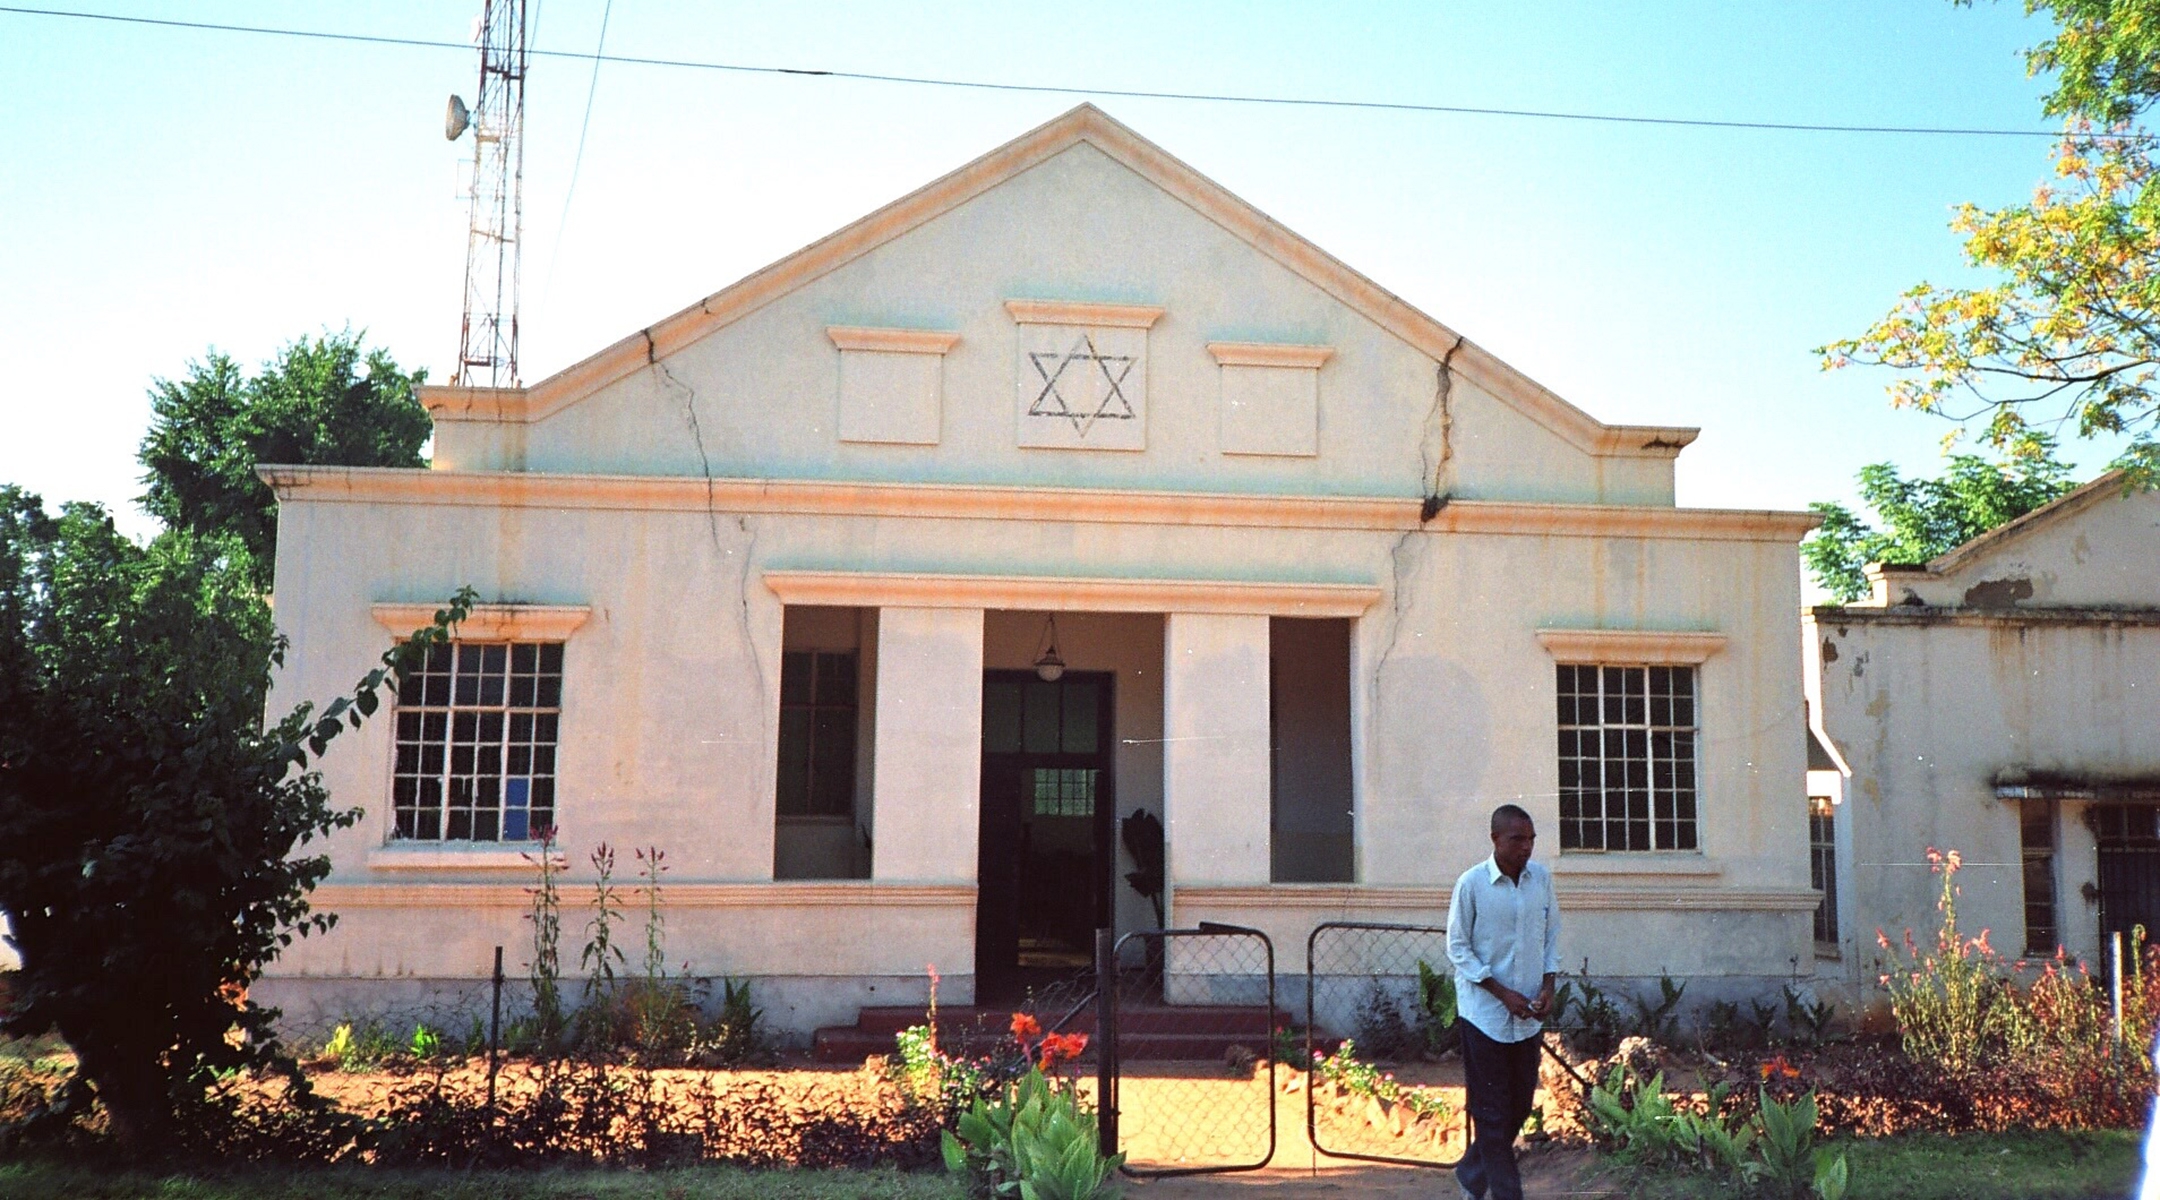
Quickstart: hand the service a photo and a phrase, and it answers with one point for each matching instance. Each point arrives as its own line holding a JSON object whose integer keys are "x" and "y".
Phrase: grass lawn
{"x": 26, "y": 1181}
{"x": 1926, "y": 1166}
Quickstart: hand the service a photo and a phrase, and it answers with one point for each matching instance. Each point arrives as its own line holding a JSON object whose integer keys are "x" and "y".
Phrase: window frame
{"x": 543, "y": 793}
{"x": 852, "y": 724}
{"x": 1686, "y": 818}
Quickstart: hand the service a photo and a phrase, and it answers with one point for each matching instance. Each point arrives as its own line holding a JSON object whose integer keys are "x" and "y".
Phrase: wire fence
{"x": 1379, "y": 1010}
{"x": 1190, "y": 1027}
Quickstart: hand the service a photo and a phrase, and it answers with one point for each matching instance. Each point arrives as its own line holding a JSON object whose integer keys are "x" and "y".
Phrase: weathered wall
{"x": 1933, "y": 704}
{"x": 671, "y": 702}
{"x": 1929, "y": 714}
{"x": 729, "y": 439}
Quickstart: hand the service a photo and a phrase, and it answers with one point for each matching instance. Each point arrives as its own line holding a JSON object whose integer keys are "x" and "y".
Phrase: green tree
{"x": 1922, "y": 518}
{"x": 149, "y": 824}
{"x": 326, "y": 401}
{"x": 2069, "y": 335}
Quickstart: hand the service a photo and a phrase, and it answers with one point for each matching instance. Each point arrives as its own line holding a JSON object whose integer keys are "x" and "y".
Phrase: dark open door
{"x": 1045, "y": 857}
{"x": 2128, "y": 837}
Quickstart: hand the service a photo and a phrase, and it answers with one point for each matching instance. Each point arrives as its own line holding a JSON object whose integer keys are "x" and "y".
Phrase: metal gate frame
{"x": 1312, "y": 1131}
{"x": 1107, "y": 952}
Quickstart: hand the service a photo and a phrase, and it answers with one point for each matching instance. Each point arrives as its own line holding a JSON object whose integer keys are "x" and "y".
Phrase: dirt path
{"x": 1548, "y": 1174}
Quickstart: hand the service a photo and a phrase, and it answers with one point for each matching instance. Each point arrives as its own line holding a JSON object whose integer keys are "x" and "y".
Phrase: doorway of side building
{"x": 1046, "y": 849}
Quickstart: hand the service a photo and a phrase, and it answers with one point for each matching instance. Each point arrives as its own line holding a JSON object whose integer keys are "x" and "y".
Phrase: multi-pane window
{"x": 1065, "y": 791}
{"x": 1627, "y": 758}
{"x": 817, "y": 733}
{"x": 476, "y": 732}
{"x": 2036, "y": 839}
{"x": 1822, "y": 865}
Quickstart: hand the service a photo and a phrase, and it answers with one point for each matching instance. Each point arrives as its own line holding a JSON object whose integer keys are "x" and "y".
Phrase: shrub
{"x": 1032, "y": 1139}
{"x": 1592, "y": 1021}
{"x": 2043, "y": 1052}
{"x": 1773, "y": 1148}
{"x": 1437, "y": 1009}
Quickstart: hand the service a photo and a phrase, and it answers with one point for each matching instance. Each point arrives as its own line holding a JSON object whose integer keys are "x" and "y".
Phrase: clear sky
{"x": 166, "y": 191}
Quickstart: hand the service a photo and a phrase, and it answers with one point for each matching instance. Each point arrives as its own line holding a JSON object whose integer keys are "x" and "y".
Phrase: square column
{"x": 1216, "y": 770}
{"x": 927, "y": 764}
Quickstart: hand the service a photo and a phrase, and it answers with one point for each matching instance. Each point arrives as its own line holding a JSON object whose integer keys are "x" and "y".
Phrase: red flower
{"x": 1025, "y": 1027}
{"x": 1061, "y": 1047}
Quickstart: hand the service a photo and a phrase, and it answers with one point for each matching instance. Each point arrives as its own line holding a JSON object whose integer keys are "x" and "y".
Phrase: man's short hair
{"x": 1508, "y": 814}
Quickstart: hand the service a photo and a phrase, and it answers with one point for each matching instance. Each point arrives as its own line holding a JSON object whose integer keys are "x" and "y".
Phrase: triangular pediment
{"x": 1087, "y": 125}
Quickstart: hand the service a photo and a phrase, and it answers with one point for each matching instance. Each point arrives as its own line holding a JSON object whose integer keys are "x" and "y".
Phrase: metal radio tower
{"x": 488, "y": 342}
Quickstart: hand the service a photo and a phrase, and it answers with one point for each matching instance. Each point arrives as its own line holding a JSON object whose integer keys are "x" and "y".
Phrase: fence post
{"x": 2115, "y": 986}
{"x": 1106, "y": 982}
{"x": 495, "y": 1029}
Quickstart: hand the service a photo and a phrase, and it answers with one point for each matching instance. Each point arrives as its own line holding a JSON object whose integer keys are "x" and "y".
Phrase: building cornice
{"x": 1269, "y": 354}
{"x": 871, "y": 589}
{"x": 892, "y": 341}
{"x": 994, "y": 502}
{"x": 1657, "y": 647}
{"x": 1094, "y": 316}
{"x": 333, "y": 895}
{"x": 1574, "y": 896}
{"x": 2059, "y": 616}
{"x": 490, "y": 622}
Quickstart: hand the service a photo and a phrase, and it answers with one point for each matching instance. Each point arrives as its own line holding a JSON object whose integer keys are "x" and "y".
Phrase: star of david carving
{"x": 1083, "y": 361}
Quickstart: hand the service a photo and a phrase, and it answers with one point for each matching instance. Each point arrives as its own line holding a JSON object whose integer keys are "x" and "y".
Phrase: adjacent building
{"x": 2002, "y": 701}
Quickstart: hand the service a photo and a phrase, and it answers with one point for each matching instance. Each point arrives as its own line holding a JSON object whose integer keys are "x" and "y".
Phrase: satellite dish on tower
{"x": 456, "y": 119}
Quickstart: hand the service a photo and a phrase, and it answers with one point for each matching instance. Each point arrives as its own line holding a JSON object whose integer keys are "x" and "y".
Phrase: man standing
{"x": 1504, "y": 941}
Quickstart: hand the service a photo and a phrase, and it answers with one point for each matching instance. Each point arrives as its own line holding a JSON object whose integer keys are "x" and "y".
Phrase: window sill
{"x": 1581, "y": 864}
{"x": 1828, "y": 952}
{"x": 453, "y": 856}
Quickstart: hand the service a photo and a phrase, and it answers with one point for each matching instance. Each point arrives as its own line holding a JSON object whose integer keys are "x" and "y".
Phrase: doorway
{"x": 1048, "y": 803}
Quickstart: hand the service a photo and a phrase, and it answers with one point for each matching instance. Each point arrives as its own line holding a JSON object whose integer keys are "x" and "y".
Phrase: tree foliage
{"x": 149, "y": 823}
{"x": 327, "y": 401}
{"x": 2069, "y": 335}
{"x": 1922, "y": 518}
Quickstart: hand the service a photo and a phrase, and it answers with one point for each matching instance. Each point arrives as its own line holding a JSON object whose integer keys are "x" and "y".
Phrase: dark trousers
{"x": 1501, "y": 1079}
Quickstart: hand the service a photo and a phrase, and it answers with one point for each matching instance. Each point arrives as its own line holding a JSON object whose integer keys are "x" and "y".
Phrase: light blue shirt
{"x": 1502, "y": 929}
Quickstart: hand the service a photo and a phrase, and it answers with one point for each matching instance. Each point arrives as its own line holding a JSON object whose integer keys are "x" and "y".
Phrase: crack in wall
{"x": 1433, "y": 465}
{"x": 712, "y": 514}
{"x": 1440, "y": 419}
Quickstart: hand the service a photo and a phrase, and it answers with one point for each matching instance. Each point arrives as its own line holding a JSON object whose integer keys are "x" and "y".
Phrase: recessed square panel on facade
{"x": 1271, "y": 410}
{"x": 889, "y": 397}
{"x": 1082, "y": 387}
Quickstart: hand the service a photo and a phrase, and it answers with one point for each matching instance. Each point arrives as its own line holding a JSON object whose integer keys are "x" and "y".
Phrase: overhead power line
{"x": 1071, "y": 90}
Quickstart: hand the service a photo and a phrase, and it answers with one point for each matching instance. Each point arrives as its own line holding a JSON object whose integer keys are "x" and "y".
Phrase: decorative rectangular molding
{"x": 1656, "y": 647}
{"x": 892, "y": 341}
{"x": 1269, "y": 354}
{"x": 1270, "y": 403}
{"x": 1574, "y": 896}
{"x": 1317, "y": 897}
{"x": 449, "y": 402}
{"x": 1589, "y": 866}
{"x": 512, "y": 894}
{"x": 1004, "y": 502}
{"x": 868, "y": 589}
{"x": 1093, "y": 316}
{"x": 1081, "y": 375}
{"x": 490, "y": 622}
{"x": 401, "y": 856}
{"x": 892, "y": 384}
{"x": 1586, "y": 896}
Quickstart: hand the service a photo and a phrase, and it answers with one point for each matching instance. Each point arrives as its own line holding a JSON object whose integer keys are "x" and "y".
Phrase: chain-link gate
{"x": 1186, "y": 1034}
{"x": 1379, "y": 988}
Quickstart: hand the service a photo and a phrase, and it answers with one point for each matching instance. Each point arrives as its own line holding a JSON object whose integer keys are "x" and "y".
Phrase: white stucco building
{"x": 768, "y": 581}
{"x": 2002, "y": 701}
